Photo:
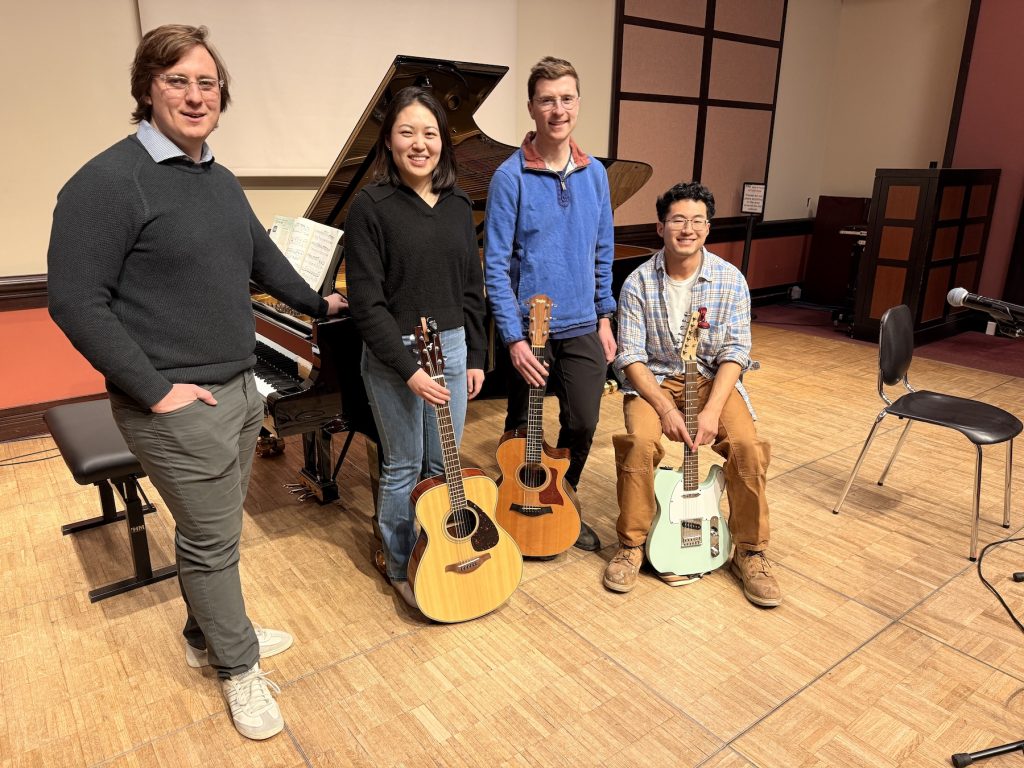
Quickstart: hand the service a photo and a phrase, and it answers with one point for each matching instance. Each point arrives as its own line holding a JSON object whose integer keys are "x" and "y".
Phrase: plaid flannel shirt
{"x": 644, "y": 335}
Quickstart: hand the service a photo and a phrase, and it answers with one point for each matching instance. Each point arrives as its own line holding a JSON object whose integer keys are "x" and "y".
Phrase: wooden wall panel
{"x": 735, "y": 151}
{"x": 760, "y": 18}
{"x": 743, "y": 72}
{"x": 661, "y": 62}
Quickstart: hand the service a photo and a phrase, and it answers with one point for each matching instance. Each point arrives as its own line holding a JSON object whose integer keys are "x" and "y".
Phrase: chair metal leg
{"x": 860, "y": 460}
{"x": 977, "y": 506}
{"x": 1006, "y": 489}
{"x": 896, "y": 450}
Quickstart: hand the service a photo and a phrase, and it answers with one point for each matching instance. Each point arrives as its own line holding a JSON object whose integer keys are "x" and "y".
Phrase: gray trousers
{"x": 199, "y": 458}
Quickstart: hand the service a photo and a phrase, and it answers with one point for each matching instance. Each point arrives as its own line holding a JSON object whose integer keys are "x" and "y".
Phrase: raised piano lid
{"x": 461, "y": 87}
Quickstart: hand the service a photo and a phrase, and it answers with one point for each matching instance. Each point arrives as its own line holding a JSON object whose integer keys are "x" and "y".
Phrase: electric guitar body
{"x": 536, "y": 505}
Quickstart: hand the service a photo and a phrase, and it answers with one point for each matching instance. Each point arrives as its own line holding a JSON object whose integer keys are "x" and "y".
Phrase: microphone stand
{"x": 1014, "y": 330}
{"x": 962, "y": 759}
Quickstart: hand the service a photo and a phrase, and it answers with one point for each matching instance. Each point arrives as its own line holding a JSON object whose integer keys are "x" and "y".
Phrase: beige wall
{"x": 892, "y": 93}
{"x": 65, "y": 101}
{"x": 801, "y": 113}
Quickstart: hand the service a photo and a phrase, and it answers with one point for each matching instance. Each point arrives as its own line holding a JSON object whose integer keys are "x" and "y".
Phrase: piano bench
{"x": 92, "y": 447}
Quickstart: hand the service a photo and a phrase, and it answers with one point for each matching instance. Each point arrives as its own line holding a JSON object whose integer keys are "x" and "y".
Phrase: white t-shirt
{"x": 678, "y": 294}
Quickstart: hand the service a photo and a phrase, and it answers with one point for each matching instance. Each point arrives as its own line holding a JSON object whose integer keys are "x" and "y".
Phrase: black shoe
{"x": 587, "y": 540}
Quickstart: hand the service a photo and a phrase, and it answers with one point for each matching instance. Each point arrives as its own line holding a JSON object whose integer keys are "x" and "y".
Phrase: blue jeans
{"x": 409, "y": 439}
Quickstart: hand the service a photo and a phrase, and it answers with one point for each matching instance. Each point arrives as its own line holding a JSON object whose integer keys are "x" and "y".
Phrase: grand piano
{"x": 308, "y": 370}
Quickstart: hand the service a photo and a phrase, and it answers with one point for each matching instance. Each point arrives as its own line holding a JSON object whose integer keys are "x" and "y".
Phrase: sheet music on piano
{"x": 308, "y": 245}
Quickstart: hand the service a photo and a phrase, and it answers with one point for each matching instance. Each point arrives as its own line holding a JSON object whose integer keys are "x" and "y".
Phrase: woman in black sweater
{"x": 411, "y": 252}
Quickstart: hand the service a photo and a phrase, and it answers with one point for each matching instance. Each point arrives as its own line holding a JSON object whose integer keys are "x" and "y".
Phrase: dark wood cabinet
{"x": 927, "y": 230}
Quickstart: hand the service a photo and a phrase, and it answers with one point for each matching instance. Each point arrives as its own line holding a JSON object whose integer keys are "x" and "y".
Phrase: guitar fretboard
{"x": 450, "y": 452}
{"x": 690, "y": 477}
{"x": 535, "y": 417}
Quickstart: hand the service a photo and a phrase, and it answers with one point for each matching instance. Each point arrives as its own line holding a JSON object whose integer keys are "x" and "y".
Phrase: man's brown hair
{"x": 550, "y": 68}
{"x": 161, "y": 48}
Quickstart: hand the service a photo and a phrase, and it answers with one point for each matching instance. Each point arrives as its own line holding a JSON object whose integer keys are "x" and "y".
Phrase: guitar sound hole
{"x": 532, "y": 476}
{"x": 460, "y": 523}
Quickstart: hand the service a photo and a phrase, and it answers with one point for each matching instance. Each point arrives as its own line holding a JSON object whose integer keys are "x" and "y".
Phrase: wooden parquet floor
{"x": 887, "y": 650}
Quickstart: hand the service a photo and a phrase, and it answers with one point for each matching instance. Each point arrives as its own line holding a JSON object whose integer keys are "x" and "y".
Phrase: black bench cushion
{"x": 90, "y": 442}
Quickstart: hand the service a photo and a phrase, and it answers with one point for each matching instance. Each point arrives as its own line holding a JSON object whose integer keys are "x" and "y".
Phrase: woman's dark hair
{"x": 690, "y": 190}
{"x": 161, "y": 48}
{"x": 384, "y": 169}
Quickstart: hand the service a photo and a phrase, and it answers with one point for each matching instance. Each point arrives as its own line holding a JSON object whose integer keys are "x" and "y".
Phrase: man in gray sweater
{"x": 151, "y": 252}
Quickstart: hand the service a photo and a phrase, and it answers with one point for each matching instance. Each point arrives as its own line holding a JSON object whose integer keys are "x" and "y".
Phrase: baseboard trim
{"x": 27, "y": 420}
{"x": 22, "y": 292}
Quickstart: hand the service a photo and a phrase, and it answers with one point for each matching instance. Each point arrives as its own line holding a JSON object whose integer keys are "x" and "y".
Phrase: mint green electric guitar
{"x": 689, "y": 536}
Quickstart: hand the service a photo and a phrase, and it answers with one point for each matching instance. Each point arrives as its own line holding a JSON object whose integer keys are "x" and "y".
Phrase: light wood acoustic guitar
{"x": 463, "y": 564}
{"x": 536, "y": 504}
{"x": 689, "y": 536}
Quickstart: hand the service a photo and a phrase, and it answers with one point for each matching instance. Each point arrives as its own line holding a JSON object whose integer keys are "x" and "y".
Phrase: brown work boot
{"x": 754, "y": 571}
{"x": 620, "y": 573}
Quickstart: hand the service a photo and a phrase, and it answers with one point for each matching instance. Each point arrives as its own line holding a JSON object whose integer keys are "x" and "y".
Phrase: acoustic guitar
{"x": 536, "y": 504}
{"x": 689, "y": 536}
{"x": 463, "y": 564}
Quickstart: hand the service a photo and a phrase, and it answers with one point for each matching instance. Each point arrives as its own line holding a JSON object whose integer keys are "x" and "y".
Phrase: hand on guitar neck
{"x": 525, "y": 361}
{"x": 431, "y": 391}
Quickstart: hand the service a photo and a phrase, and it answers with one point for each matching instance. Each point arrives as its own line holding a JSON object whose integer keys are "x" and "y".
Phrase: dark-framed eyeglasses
{"x": 698, "y": 224}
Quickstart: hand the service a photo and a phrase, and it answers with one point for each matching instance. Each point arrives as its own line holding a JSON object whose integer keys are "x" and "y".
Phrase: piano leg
{"x": 316, "y": 472}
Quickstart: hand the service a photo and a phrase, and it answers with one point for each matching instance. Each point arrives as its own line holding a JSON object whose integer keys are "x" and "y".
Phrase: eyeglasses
{"x": 547, "y": 103}
{"x": 208, "y": 86}
{"x": 680, "y": 222}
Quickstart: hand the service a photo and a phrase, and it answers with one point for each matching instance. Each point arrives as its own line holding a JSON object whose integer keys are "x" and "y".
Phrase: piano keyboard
{"x": 277, "y": 369}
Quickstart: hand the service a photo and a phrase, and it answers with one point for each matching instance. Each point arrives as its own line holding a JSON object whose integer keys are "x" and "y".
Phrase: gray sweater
{"x": 149, "y": 266}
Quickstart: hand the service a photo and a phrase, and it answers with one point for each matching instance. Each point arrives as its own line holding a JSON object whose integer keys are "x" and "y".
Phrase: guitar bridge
{"x": 468, "y": 566}
{"x": 527, "y": 510}
{"x": 687, "y": 537}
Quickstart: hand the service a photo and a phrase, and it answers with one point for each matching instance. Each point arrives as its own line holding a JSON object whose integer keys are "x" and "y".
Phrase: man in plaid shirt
{"x": 654, "y": 307}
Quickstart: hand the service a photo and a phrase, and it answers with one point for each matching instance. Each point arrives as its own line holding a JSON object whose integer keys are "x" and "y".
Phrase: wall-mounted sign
{"x": 753, "y": 198}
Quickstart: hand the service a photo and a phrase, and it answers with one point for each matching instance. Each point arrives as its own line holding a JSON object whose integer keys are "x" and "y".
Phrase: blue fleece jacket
{"x": 546, "y": 234}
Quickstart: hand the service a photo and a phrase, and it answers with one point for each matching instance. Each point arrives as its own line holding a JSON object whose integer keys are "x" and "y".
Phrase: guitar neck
{"x": 450, "y": 452}
{"x": 535, "y": 417}
{"x": 690, "y": 477}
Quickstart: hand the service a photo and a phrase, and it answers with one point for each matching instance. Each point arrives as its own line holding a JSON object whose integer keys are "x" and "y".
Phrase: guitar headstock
{"x": 691, "y": 334}
{"x": 540, "y": 319}
{"x": 428, "y": 340}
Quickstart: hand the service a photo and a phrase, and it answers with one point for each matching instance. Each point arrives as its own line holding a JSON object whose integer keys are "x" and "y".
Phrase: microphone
{"x": 998, "y": 310}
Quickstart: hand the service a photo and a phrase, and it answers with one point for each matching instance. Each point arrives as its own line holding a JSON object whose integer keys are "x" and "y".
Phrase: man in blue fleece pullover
{"x": 549, "y": 230}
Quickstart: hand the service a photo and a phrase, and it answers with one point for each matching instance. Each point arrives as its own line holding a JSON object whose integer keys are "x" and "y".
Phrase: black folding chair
{"x": 981, "y": 423}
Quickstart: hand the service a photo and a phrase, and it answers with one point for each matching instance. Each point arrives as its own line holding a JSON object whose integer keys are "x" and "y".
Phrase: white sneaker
{"x": 272, "y": 642}
{"x": 253, "y": 709}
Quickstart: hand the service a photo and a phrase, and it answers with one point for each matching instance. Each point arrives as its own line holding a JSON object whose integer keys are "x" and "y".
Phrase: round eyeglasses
{"x": 547, "y": 103}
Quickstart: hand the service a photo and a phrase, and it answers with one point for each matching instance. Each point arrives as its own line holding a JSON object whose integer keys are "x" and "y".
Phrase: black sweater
{"x": 405, "y": 260}
{"x": 149, "y": 266}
